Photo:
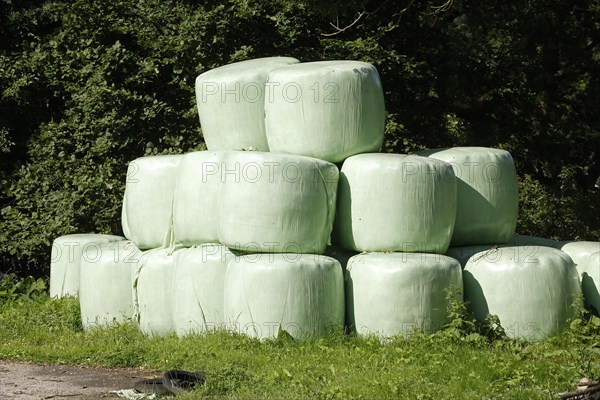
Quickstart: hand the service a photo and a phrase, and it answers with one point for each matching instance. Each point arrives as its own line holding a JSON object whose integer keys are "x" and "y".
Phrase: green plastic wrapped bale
{"x": 65, "y": 260}
{"x": 198, "y": 284}
{"x": 328, "y": 109}
{"x": 276, "y": 203}
{"x": 149, "y": 200}
{"x": 197, "y": 198}
{"x": 301, "y": 294}
{"x": 152, "y": 291}
{"x": 488, "y": 198}
{"x": 400, "y": 293}
{"x": 231, "y": 103}
{"x": 586, "y": 256}
{"x": 534, "y": 295}
{"x": 105, "y": 295}
{"x": 395, "y": 202}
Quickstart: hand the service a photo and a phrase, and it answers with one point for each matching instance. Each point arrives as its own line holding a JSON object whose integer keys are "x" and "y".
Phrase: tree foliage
{"x": 85, "y": 87}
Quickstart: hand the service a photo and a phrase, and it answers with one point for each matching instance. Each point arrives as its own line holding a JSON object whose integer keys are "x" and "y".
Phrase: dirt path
{"x": 25, "y": 381}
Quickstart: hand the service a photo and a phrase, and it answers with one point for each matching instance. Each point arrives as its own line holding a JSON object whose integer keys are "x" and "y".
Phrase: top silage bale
{"x": 230, "y": 102}
{"x": 149, "y": 200}
{"x": 327, "y": 109}
{"x": 487, "y": 194}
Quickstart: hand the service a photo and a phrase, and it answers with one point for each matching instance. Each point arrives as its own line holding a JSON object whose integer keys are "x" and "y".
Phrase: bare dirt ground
{"x": 26, "y": 381}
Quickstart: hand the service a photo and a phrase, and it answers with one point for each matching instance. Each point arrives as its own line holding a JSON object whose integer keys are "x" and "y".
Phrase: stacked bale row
{"x": 235, "y": 239}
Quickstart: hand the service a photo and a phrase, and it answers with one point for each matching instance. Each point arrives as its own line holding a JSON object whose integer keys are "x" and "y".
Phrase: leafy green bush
{"x": 12, "y": 287}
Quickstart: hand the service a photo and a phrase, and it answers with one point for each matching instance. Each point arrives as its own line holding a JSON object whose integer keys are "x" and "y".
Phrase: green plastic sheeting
{"x": 198, "y": 284}
{"x": 301, "y": 294}
{"x": 276, "y": 202}
{"x": 533, "y": 295}
{"x": 586, "y": 256}
{"x": 395, "y": 202}
{"x": 148, "y": 200}
{"x": 327, "y": 109}
{"x": 65, "y": 260}
{"x": 231, "y": 103}
{"x": 105, "y": 294}
{"x": 152, "y": 291}
{"x": 197, "y": 198}
{"x": 488, "y": 198}
{"x": 400, "y": 293}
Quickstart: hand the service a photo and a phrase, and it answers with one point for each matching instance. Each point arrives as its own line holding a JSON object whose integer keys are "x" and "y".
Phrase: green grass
{"x": 447, "y": 365}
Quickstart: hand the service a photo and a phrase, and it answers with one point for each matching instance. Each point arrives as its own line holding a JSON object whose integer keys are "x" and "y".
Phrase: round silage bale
{"x": 487, "y": 194}
{"x": 326, "y": 109}
{"x": 148, "y": 200}
{"x": 198, "y": 283}
{"x": 65, "y": 260}
{"x": 197, "y": 198}
{"x": 401, "y": 293}
{"x": 395, "y": 202}
{"x": 533, "y": 294}
{"x": 276, "y": 202}
{"x": 231, "y": 103}
{"x": 586, "y": 256}
{"x": 105, "y": 294}
{"x": 301, "y": 294}
{"x": 152, "y": 291}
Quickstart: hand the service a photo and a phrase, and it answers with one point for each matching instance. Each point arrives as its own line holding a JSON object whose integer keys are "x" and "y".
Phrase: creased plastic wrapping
{"x": 198, "y": 283}
{"x": 586, "y": 256}
{"x": 197, "y": 198}
{"x": 302, "y": 295}
{"x": 276, "y": 202}
{"x": 488, "y": 198}
{"x": 400, "y": 293}
{"x": 395, "y": 202}
{"x": 149, "y": 200}
{"x": 327, "y": 109}
{"x": 231, "y": 100}
{"x": 65, "y": 260}
{"x": 105, "y": 295}
{"x": 152, "y": 291}
{"x": 533, "y": 294}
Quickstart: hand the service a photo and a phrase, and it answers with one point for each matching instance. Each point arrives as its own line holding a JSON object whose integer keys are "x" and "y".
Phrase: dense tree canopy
{"x": 86, "y": 87}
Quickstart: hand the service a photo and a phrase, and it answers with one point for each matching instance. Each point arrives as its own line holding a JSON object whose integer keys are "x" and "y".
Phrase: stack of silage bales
{"x": 531, "y": 288}
{"x": 255, "y": 235}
